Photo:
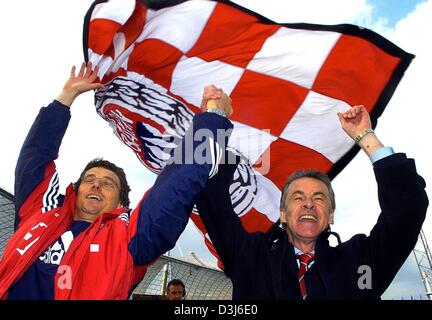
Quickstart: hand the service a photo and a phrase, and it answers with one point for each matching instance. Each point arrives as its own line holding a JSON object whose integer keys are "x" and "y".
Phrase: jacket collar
{"x": 282, "y": 259}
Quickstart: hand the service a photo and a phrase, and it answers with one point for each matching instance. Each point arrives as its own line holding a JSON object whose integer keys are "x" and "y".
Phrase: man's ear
{"x": 282, "y": 216}
{"x": 331, "y": 217}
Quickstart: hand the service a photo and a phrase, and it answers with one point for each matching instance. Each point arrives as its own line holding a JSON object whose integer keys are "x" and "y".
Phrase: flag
{"x": 286, "y": 81}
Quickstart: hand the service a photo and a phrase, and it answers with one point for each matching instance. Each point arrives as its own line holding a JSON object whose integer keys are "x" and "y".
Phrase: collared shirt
{"x": 298, "y": 251}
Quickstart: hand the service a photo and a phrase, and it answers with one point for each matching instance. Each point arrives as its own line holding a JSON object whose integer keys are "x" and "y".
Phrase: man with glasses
{"x": 88, "y": 244}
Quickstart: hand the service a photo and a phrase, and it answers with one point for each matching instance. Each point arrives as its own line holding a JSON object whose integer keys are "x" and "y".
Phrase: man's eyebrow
{"x": 105, "y": 177}
{"x": 296, "y": 192}
{"x": 109, "y": 178}
{"x": 319, "y": 193}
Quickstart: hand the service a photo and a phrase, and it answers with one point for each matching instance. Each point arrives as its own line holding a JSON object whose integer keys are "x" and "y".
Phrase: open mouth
{"x": 94, "y": 197}
{"x": 308, "y": 217}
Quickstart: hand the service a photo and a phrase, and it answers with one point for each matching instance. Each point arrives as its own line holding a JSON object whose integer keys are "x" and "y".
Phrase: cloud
{"x": 312, "y": 11}
{"x": 407, "y": 118}
{"x": 407, "y": 283}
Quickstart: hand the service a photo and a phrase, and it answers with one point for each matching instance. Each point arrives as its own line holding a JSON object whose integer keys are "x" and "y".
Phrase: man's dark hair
{"x": 101, "y": 163}
{"x": 176, "y": 282}
{"x": 308, "y": 173}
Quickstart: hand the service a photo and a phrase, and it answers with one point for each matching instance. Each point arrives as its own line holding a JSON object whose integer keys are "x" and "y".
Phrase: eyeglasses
{"x": 105, "y": 182}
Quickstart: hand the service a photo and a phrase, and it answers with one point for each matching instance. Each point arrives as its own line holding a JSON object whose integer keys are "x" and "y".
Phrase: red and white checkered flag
{"x": 286, "y": 81}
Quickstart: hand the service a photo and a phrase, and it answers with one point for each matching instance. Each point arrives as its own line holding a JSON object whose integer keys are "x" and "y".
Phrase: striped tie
{"x": 305, "y": 259}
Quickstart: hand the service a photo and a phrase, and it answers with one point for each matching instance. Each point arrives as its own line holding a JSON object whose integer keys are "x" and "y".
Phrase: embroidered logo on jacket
{"x": 55, "y": 252}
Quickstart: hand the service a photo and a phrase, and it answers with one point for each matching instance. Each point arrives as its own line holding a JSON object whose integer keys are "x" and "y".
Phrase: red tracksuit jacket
{"x": 109, "y": 258}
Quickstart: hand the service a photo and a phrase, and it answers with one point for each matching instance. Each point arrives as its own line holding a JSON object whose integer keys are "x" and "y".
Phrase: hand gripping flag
{"x": 286, "y": 81}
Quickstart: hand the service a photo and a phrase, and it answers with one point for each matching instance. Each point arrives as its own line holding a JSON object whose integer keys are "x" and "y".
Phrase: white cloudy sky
{"x": 42, "y": 39}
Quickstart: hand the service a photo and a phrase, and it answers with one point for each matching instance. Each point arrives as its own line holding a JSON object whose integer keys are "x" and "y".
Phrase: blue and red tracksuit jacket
{"x": 109, "y": 258}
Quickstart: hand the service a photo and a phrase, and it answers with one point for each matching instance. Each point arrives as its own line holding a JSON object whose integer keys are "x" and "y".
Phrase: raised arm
{"x": 214, "y": 205}
{"x": 36, "y": 181}
{"x": 402, "y": 198}
{"x": 357, "y": 124}
{"x": 77, "y": 84}
{"x": 163, "y": 214}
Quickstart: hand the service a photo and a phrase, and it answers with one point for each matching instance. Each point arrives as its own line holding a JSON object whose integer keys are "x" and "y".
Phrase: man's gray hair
{"x": 308, "y": 173}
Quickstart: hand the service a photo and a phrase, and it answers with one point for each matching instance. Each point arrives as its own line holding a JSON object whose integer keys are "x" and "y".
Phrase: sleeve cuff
{"x": 381, "y": 153}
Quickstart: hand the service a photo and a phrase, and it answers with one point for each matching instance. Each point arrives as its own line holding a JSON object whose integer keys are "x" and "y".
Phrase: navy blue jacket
{"x": 263, "y": 265}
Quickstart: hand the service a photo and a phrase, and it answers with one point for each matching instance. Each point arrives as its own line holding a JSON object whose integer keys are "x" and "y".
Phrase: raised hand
{"x": 215, "y": 98}
{"x": 82, "y": 82}
{"x": 355, "y": 121}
